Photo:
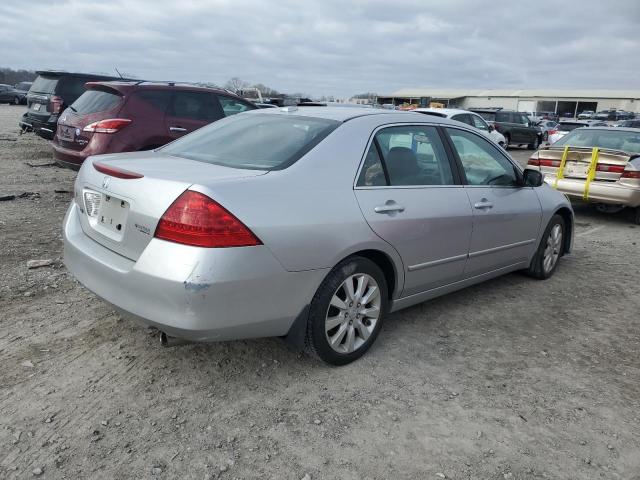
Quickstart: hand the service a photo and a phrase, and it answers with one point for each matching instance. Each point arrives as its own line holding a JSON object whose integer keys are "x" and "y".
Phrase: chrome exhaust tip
{"x": 169, "y": 341}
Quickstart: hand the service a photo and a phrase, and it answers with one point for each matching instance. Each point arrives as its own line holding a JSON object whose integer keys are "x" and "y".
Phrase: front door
{"x": 410, "y": 194}
{"x": 506, "y": 216}
{"x": 190, "y": 110}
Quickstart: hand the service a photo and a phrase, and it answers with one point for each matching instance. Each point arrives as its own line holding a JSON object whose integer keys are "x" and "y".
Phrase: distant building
{"x": 543, "y": 100}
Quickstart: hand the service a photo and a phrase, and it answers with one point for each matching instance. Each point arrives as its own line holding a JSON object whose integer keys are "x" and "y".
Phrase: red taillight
{"x": 605, "y": 167}
{"x": 543, "y": 162}
{"x": 110, "y": 125}
{"x": 116, "y": 172}
{"x": 631, "y": 174}
{"x": 195, "y": 219}
{"x": 552, "y": 132}
{"x": 55, "y": 104}
{"x": 496, "y": 126}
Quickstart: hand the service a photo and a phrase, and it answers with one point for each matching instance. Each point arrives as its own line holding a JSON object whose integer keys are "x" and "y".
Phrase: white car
{"x": 470, "y": 118}
{"x": 565, "y": 127}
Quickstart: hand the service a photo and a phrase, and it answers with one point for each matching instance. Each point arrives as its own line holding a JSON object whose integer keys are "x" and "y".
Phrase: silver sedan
{"x": 307, "y": 223}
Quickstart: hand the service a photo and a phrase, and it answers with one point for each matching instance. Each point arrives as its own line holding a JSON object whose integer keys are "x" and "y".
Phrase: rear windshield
{"x": 93, "y": 101}
{"x": 45, "y": 84}
{"x": 253, "y": 140}
{"x": 609, "y": 139}
{"x": 568, "y": 127}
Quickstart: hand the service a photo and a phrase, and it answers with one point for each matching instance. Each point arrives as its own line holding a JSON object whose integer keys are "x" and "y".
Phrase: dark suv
{"x": 515, "y": 126}
{"x": 49, "y": 95}
{"x": 127, "y": 116}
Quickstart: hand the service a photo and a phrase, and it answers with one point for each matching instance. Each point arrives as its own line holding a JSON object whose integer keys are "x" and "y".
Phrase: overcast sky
{"x": 333, "y": 47}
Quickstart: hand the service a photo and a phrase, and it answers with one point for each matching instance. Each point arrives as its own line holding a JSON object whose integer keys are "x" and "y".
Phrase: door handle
{"x": 177, "y": 129}
{"x": 389, "y": 207}
{"x": 482, "y": 204}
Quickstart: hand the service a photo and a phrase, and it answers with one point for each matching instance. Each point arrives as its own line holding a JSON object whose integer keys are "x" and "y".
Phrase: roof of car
{"x": 131, "y": 84}
{"x": 442, "y": 111}
{"x": 348, "y": 113}
{"x": 61, "y": 73}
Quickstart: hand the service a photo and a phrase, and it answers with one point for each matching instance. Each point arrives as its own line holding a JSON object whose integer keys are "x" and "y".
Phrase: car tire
{"x": 535, "y": 144}
{"x": 340, "y": 329}
{"x": 546, "y": 259}
{"x": 637, "y": 216}
{"x": 507, "y": 141}
{"x": 16, "y": 100}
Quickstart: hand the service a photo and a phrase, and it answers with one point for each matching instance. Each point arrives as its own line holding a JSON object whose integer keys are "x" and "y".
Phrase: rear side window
{"x": 196, "y": 106}
{"x": 158, "y": 99}
{"x": 489, "y": 116}
{"x": 256, "y": 141}
{"x": 479, "y": 123}
{"x": 503, "y": 117}
{"x": 231, "y": 106}
{"x": 45, "y": 84}
{"x": 93, "y": 101}
{"x": 406, "y": 156}
{"x": 462, "y": 117}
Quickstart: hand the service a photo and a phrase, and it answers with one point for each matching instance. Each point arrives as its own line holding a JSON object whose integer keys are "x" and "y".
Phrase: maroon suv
{"x": 119, "y": 116}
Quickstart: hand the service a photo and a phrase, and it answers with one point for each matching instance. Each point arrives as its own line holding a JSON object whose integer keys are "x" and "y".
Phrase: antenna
{"x": 116, "y": 68}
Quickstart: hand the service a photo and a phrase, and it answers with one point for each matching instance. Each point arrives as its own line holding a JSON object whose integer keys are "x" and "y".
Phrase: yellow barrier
{"x": 591, "y": 174}
{"x": 563, "y": 161}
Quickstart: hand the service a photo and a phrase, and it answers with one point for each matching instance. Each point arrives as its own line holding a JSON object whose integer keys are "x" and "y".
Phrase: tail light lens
{"x": 496, "y": 126}
{"x": 110, "y": 125}
{"x": 543, "y": 162}
{"x": 635, "y": 174}
{"x": 552, "y": 132}
{"x": 195, "y": 219}
{"x": 605, "y": 167}
{"x": 55, "y": 104}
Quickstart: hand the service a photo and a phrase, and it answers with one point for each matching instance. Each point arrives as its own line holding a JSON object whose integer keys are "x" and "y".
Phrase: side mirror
{"x": 491, "y": 128}
{"x": 532, "y": 178}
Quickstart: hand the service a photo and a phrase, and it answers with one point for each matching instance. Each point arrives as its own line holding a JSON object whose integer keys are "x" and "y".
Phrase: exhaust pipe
{"x": 168, "y": 341}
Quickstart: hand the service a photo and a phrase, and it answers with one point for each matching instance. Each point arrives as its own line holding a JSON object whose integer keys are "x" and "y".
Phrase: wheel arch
{"x": 387, "y": 266}
{"x": 567, "y": 216}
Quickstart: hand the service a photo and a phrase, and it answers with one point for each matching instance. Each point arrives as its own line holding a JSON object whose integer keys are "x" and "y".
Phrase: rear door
{"x": 410, "y": 195}
{"x": 190, "y": 110}
{"x": 506, "y": 216}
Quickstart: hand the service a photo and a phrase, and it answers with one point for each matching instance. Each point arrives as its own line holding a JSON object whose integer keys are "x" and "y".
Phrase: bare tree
{"x": 234, "y": 84}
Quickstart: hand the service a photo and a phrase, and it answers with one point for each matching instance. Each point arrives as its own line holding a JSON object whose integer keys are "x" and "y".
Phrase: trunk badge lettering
{"x": 105, "y": 182}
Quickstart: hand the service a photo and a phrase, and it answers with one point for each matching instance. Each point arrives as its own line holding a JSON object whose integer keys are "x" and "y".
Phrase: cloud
{"x": 333, "y": 47}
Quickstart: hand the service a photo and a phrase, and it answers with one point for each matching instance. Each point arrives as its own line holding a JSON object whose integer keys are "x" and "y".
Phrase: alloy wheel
{"x": 353, "y": 313}
{"x": 553, "y": 248}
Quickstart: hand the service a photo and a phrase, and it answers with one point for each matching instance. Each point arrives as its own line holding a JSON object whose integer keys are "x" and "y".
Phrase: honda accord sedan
{"x": 308, "y": 223}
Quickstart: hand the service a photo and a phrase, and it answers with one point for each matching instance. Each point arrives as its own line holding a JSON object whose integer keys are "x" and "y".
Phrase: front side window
{"x": 406, "y": 156}
{"x": 257, "y": 141}
{"x": 231, "y": 106}
{"x": 483, "y": 164}
{"x": 194, "y": 105}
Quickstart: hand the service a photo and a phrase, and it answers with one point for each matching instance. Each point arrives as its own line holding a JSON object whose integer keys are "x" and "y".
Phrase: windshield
{"x": 253, "y": 140}
{"x": 610, "y": 139}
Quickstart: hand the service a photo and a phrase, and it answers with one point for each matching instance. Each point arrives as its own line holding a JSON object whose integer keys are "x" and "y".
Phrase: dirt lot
{"x": 512, "y": 379}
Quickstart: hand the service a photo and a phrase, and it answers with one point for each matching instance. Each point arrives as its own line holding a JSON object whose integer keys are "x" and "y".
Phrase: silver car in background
{"x": 309, "y": 223}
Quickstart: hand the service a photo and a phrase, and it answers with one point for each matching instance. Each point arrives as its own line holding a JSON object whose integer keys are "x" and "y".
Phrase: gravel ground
{"x": 511, "y": 379}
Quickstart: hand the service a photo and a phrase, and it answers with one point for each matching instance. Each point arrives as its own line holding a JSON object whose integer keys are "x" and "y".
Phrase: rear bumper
{"x": 43, "y": 128}
{"x": 599, "y": 192}
{"x": 193, "y": 293}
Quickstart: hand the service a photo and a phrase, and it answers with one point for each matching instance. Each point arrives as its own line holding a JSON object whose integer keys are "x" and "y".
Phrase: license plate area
{"x": 107, "y": 214}
{"x": 576, "y": 170}
{"x": 66, "y": 133}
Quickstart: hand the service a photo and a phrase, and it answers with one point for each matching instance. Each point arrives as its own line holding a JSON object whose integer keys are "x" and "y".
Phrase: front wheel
{"x": 551, "y": 247}
{"x": 346, "y": 312}
{"x": 507, "y": 141}
{"x": 16, "y": 100}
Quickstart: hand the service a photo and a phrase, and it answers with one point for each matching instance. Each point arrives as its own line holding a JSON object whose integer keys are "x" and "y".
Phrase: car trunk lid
{"x": 611, "y": 163}
{"x": 122, "y": 213}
